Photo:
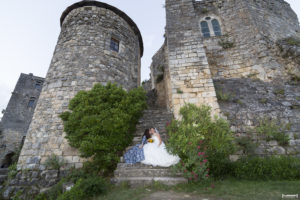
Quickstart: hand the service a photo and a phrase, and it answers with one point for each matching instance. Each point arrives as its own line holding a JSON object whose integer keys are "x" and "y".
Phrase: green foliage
{"x": 179, "y": 91}
{"x": 294, "y": 78}
{"x": 196, "y": 125}
{"x": 101, "y": 122}
{"x": 222, "y": 96}
{"x": 85, "y": 189}
{"x": 292, "y": 41}
{"x": 246, "y": 145}
{"x": 204, "y": 10}
{"x": 53, "y": 193}
{"x": 195, "y": 165}
{"x": 270, "y": 168}
{"x": 226, "y": 44}
{"x": 272, "y": 131}
{"x": 54, "y": 162}
{"x": 252, "y": 75}
{"x": 279, "y": 92}
{"x": 263, "y": 100}
{"x": 12, "y": 171}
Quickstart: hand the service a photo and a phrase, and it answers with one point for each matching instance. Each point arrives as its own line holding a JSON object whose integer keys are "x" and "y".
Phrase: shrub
{"x": 226, "y": 44}
{"x": 53, "y": 162}
{"x": 85, "y": 188}
{"x": 101, "y": 122}
{"x": 246, "y": 145}
{"x": 222, "y": 96}
{"x": 12, "y": 171}
{"x": 272, "y": 131}
{"x": 53, "y": 193}
{"x": 195, "y": 165}
{"x": 196, "y": 124}
{"x": 270, "y": 168}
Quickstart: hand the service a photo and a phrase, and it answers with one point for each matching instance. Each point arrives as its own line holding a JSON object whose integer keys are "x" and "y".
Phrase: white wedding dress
{"x": 157, "y": 155}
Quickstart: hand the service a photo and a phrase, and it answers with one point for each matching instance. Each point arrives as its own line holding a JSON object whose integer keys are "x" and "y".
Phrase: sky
{"x": 29, "y": 31}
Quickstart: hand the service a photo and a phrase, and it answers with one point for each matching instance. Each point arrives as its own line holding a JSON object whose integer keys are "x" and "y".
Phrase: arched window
{"x": 216, "y": 27}
{"x": 205, "y": 29}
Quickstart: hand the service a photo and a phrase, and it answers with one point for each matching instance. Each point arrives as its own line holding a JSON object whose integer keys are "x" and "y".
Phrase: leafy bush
{"x": 195, "y": 166}
{"x": 12, "y": 171}
{"x": 53, "y": 193}
{"x": 270, "y": 168}
{"x": 246, "y": 145}
{"x": 53, "y": 162}
{"x": 272, "y": 131}
{"x": 101, "y": 122}
{"x": 85, "y": 188}
{"x": 196, "y": 125}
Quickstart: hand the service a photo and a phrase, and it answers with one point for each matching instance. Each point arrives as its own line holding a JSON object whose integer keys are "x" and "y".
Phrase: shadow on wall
{"x": 8, "y": 160}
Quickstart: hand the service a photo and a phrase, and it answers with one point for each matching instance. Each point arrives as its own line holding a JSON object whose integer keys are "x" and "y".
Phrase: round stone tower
{"x": 98, "y": 43}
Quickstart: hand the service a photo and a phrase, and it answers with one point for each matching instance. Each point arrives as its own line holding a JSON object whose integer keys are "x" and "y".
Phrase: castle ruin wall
{"x": 82, "y": 57}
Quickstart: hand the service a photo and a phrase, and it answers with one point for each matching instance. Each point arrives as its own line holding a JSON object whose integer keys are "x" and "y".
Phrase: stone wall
{"x": 159, "y": 76}
{"x": 247, "y": 48}
{"x": 252, "y": 28}
{"x": 189, "y": 72}
{"x": 82, "y": 57}
{"x": 249, "y": 101}
{"x": 18, "y": 115}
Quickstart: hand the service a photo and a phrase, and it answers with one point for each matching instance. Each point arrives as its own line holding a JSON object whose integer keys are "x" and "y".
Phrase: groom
{"x": 152, "y": 131}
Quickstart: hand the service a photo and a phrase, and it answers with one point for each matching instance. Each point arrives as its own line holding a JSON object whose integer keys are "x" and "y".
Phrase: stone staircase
{"x": 139, "y": 174}
{"x": 3, "y": 176}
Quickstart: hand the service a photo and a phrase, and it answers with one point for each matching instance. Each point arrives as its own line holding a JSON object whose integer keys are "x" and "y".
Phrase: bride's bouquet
{"x": 150, "y": 140}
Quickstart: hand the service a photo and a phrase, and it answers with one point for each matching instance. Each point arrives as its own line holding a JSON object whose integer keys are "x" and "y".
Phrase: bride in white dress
{"x": 156, "y": 153}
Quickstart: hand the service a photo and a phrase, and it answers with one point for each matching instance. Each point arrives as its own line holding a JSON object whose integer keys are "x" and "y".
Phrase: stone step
{"x": 139, "y": 174}
{"x": 4, "y": 171}
{"x": 146, "y": 172}
{"x": 137, "y": 166}
{"x": 143, "y": 181}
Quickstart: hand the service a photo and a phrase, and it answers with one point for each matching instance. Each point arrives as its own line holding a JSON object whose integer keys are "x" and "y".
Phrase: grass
{"x": 229, "y": 189}
{"x": 292, "y": 41}
{"x": 222, "y": 96}
{"x": 279, "y": 92}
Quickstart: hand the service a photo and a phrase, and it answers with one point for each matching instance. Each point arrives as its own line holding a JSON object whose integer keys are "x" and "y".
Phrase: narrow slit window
{"x": 216, "y": 27}
{"x": 38, "y": 85}
{"x": 205, "y": 29}
{"x": 114, "y": 45}
{"x": 31, "y": 102}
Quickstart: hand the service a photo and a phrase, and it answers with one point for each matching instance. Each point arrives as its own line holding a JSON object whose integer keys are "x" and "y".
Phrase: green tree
{"x": 102, "y": 121}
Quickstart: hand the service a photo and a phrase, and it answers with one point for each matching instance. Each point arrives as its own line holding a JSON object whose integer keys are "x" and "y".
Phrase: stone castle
{"x": 212, "y": 48}
{"x": 17, "y": 116}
